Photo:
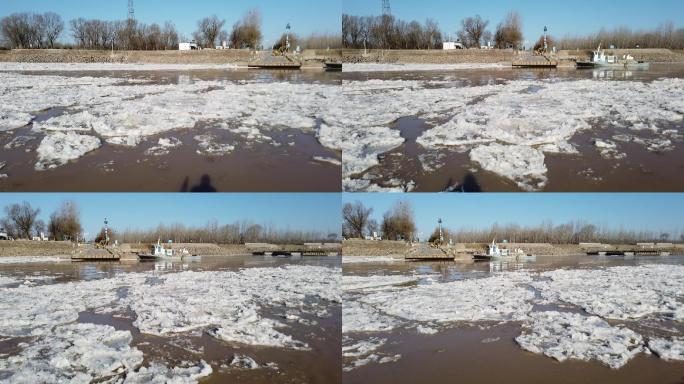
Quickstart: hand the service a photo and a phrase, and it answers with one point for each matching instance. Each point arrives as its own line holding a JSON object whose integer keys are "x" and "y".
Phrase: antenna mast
{"x": 386, "y": 9}
{"x": 131, "y": 10}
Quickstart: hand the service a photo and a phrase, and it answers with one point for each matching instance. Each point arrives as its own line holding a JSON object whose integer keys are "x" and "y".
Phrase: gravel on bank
{"x": 492, "y": 56}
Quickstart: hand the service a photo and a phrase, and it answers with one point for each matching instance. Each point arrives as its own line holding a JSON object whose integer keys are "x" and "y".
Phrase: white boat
{"x": 494, "y": 252}
{"x": 158, "y": 251}
{"x": 599, "y": 59}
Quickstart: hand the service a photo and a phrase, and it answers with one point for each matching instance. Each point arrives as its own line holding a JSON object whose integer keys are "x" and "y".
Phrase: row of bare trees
{"x": 387, "y": 32}
{"x": 123, "y": 34}
{"x": 664, "y": 36}
{"x": 508, "y": 34}
{"x": 398, "y": 223}
{"x": 213, "y": 232}
{"x": 21, "y": 222}
{"x": 31, "y": 30}
{"x": 568, "y": 233}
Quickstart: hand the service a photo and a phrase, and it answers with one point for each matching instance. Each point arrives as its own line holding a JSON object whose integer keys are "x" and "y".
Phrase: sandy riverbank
{"x": 239, "y": 57}
{"x": 23, "y": 248}
{"x": 397, "y": 249}
{"x": 476, "y": 56}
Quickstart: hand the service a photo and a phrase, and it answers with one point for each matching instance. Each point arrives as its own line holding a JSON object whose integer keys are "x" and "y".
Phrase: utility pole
{"x": 287, "y": 38}
{"x": 441, "y": 233}
{"x": 131, "y": 10}
{"x": 386, "y": 9}
{"x": 106, "y": 230}
{"x": 546, "y": 44}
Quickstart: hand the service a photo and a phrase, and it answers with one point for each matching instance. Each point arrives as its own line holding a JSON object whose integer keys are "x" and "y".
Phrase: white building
{"x": 452, "y": 45}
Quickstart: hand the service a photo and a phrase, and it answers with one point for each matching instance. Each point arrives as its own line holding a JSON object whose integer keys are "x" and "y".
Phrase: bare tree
{"x": 53, "y": 26}
{"x": 16, "y": 28}
{"x": 209, "y": 29}
{"x": 355, "y": 218}
{"x": 23, "y": 217}
{"x": 246, "y": 33}
{"x": 472, "y": 31}
{"x": 373, "y": 227}
{"x": 399, "y": 222}
{"x": 65, "y": 222}
{"x": 509, "y": 32}
{"x": 539, "y": 45}
{"x": 281, "y": 45}
{"x": 169, "y": 36}
{"x": 388, "y": 32}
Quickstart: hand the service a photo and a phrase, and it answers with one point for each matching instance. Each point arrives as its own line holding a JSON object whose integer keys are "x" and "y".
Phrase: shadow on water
{"x": 469, "y": 185}
{"x": 204, "y": 186}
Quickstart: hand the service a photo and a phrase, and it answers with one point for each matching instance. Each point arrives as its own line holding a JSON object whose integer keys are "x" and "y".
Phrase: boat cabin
{"x": 160, "y": 251}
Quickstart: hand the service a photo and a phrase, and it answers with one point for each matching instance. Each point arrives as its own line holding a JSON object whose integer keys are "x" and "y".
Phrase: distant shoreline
{"x": 63, "y": 249}
{"x": 400, "y": 249}
{"x": 492, "y": 56}
{"x": 210, "y": 57}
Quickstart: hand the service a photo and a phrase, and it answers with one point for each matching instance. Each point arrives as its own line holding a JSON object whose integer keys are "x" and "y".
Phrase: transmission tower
{"x": 131, "y": 10}
{"x": 386, "y": 9}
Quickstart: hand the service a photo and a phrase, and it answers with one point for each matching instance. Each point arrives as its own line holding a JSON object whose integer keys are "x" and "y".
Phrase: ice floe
{"x": 498, "y": 298}
{"x": 5, "y": 280}
{"x": 529, "y": 123}
{"x": 229, "y": 305}
{"x": 359, "y": 317}
{"x": 621, "y": 293}
{"x": 380, "y": 304}
{"x": 520, "y": 163}
{"x": 32, "y": 259}
{"x": 668, "y": 349}
{"x": 352, "y": 283}
{"x": 74, "y": 353}
{"x": 164, "y": 146}
{"x": 329, "y": 160}
{"x": 124, "y": 112}
{"x": 243, "y": 362}
{"x": 10, "y": 119}
{"x": 236, "y": 302}
{"x": 566, "y": 335}
{"x": 103, "y": 67}
{"x": 59, "y": 148}
{"x": 157, "y": 373}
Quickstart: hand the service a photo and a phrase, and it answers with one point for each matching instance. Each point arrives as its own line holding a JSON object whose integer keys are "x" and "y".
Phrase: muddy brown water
{"x": 321, "y": 364}
{"x": 252, "y": 166}
{"x": 487, "y": 352}
{"x": 641, "y": 171}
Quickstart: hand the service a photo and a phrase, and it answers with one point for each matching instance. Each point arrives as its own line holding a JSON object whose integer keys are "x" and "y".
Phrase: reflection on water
{"x": 455, "y": 271}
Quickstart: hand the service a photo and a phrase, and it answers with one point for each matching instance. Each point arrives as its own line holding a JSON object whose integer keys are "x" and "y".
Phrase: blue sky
{"x": 654, "y": 212}
{"x": 305, "y": 16}
{"x": 576, "y": 17}
{"x": 319, "y": 212}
